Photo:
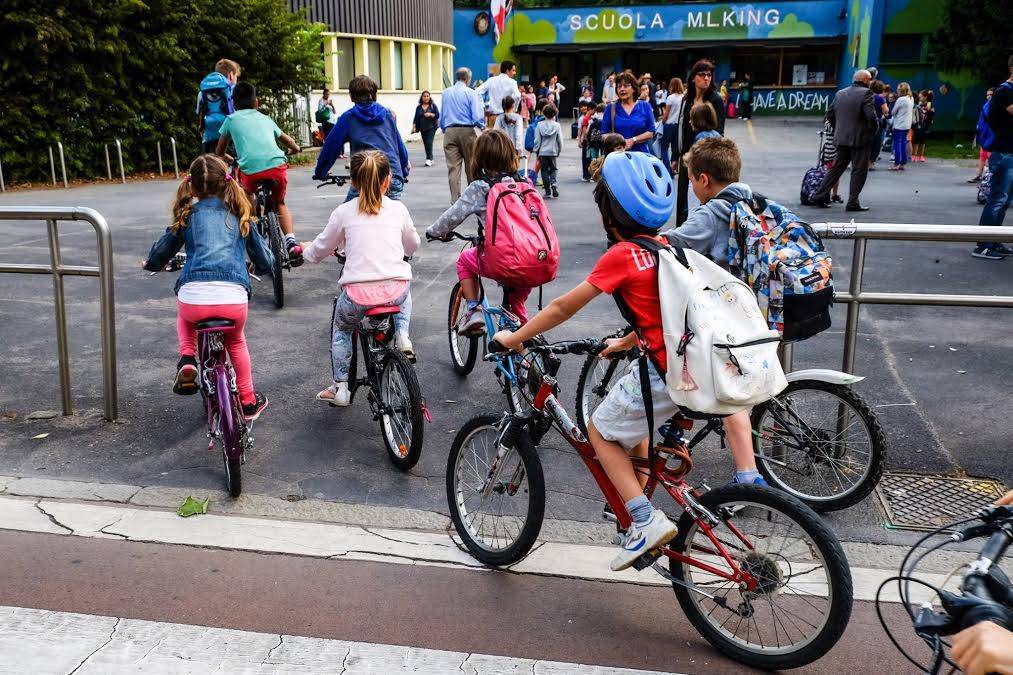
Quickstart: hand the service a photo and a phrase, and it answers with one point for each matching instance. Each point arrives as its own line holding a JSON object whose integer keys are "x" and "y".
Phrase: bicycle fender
{"x": 823, "y": 375}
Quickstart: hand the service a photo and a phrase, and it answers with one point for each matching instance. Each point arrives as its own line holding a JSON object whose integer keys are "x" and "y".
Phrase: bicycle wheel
{"x": 529, "y": 373}
{"x": 401, "y": 410}
{"x": 596, "y": 378}
{"x": 819, "y": 442}
{"x": 463, "y": 350}
{"x": 229, "y": 416}
{"x": 802, "y": 602}
{"x": 277, "y": 244}
{"x": 498, "y": 529}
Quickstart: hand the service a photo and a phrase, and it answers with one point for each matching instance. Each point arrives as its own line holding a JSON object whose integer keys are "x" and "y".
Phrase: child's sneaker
{"x": 555, "y": 192}
{"x": 641, "y": 539}
{"x": 548, "y": 193}
{"x": 429, "y": 162}
{"x": 988, "y": 253}
{"x": 472, "y": 323}
{"x": 755, "y": 480}
{"x": 251, "y": 411}
{"x": 294, "y": 253}
{"x": 404, "y": 345}
{"x": 337, "y": 395}
{"x": 186, "y": 376}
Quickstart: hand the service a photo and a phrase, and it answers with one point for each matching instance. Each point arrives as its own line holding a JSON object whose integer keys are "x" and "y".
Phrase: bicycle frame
{"x": 214, "y": 375}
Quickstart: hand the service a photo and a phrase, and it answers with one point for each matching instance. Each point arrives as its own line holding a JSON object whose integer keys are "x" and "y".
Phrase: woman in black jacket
{"x": 427, "y": 117}
{"x": 701, "y": 89}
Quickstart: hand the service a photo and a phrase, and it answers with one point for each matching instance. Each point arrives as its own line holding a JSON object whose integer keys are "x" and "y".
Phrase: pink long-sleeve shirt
{"x": 374, "y": 245}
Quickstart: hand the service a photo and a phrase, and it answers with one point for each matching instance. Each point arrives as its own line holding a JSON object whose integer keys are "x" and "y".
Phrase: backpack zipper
{"x": 751, "y": 343}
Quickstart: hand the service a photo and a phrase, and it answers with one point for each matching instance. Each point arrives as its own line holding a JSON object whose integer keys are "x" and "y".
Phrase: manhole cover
{"x": 915, "y": 502}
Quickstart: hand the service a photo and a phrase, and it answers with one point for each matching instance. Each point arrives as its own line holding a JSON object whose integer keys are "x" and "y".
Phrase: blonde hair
{"x": 494, "y": 154}
{"x": 903, "y": 89}
{"x": 227, "y": 67}
{"x": 209, "y": 177}
{"x": 370, "y": 169}
{"x": 675, "y": 86}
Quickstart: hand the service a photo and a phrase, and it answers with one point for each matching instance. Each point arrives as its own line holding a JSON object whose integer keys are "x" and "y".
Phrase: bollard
{"x": 109, "y": 167}
{"x": 175, "y": 162}
{"x": 119, "y": 151}
{"x": 52, "y": 164}
{"x": 3, "y": 188}
{"x": 158, "y": 144}
{"x": 63, "y": 165}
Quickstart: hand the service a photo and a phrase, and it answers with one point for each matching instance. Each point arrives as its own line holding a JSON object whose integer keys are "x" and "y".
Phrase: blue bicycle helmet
{"x": 641, "y": 186}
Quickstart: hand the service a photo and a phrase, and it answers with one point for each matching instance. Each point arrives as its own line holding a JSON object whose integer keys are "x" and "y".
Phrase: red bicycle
{"x": 755, "y": 570}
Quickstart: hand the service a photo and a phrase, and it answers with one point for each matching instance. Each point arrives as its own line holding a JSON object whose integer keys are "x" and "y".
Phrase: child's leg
{"x": 347, "y": 316}
{"x": 404, "y": 317}
{"x": 543, "y": 165}
{"x": 515, "y": 301}
{"x": 615, "y": 460}
{"x": 186, "y": 328}
{"x": 235, "y": 345}
{"x": 285, "y": 218}
{"x": 467, "y": 273}
{"x": 739, "y": 433}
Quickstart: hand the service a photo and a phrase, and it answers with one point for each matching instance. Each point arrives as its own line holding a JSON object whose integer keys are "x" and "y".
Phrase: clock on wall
{"x": 482, "y": 23}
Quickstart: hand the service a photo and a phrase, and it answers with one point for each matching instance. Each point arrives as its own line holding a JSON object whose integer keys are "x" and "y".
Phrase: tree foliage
{"x": 975, "y": 35}
{"x": 86, "y": 72}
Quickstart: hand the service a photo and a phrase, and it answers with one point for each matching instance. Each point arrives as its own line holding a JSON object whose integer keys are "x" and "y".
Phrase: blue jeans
{"x": 1000, "y": 196}
{"x": 669, "y": 147}
{"x": 900, "y": 156}
{"x": 394, "y": 191}
{"x": 347, "y": 316}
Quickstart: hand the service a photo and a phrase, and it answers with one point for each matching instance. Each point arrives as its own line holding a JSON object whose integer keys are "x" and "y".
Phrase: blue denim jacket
{"x": 215, "y": 249}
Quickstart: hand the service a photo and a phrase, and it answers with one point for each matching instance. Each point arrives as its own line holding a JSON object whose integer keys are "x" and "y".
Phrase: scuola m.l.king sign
{"x": 639, "y": 21}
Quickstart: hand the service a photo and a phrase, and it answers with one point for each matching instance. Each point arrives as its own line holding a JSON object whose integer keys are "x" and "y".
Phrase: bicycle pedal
{"x": 646, "y": 560}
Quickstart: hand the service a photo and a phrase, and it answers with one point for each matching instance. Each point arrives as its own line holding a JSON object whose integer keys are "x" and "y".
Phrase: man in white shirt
{"x": 608, "y": 91}
{"x": 499, "y": 87}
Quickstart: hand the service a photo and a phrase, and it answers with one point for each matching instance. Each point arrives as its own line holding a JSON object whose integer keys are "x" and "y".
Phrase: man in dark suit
{"x": 853, "y": 115}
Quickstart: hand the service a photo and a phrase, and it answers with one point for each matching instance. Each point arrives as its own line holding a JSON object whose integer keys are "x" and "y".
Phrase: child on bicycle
{"x": 635, "y": 198}
{"x": 256, "y": 137}
{"x": 211, "y": 218}
{"x": 494, "y": 160}
{"x": 376, "y": 233}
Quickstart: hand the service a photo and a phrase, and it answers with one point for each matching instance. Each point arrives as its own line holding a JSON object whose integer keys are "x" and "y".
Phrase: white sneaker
{"x": 404, "y": 345}
{"x": 337, "y": 395}
{"x": 472, "y": 323}
{"x": 639, "y": 540}
{"x": 429, "y": 162}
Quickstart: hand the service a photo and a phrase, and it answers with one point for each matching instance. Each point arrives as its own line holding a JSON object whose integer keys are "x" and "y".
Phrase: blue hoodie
{"x": 367, "y": 126}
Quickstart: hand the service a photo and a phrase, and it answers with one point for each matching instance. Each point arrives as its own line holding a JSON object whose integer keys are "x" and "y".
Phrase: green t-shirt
{"x": 256, "y": 138}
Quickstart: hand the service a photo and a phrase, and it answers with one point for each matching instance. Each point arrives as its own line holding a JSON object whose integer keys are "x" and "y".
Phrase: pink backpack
{"x": 520, "y": 248}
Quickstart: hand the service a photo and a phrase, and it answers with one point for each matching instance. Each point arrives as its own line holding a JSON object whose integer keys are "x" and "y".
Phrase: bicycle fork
{"x": 504, "y": 446}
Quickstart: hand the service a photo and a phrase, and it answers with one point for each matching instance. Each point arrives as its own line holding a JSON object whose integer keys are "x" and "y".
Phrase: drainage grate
{"x": 916, "y": 502}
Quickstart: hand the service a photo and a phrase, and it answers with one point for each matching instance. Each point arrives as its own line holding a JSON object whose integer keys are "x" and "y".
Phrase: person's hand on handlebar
{"x": 983, "y": 648}
{"x": 615, "y": 345}
{"x": 506, "y": 339}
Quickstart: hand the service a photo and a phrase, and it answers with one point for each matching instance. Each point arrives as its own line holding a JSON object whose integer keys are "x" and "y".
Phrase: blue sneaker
{"x": 756, "y": 481}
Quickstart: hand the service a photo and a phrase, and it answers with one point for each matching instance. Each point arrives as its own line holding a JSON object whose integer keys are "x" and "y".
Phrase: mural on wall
{"x": 791, "y": 27}
{"x": 539, "y": 32}
{"x": 792, "y": 101}
{"x": 859, "y": 34}
{"x": 607, "y": 28}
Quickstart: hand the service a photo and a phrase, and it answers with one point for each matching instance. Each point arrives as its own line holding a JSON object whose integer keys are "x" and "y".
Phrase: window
{"x": 346, "y": 61}
{"x": 820, "y": 68}
{"x": 398, "y": 68}
{"x": 763, "y": 66}
{"x": 373, "y": 61}
{"x": 901, "y": 49}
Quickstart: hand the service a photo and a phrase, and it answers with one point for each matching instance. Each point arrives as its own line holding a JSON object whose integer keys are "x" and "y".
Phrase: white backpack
{"x": 722, "y": 354}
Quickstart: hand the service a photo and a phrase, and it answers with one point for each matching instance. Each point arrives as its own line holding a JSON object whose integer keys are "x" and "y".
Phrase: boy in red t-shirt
{"x": 635, "y": 198}
{"x": 586, "y": 113}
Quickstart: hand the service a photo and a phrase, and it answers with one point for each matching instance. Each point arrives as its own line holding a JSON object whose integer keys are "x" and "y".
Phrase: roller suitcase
{"x": 813, "y": 177}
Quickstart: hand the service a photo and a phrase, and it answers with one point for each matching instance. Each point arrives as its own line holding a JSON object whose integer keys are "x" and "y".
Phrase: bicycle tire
{"x": 404, "y": 453}
{"x": 519, "y": 398}
{"x": 277, "y": 243}
{"x": 839, "y": 583}
{"x": 229, "y": 413}
{"x": 462, "y": 356}
{"x": 818, "y": 458}
{"x": 534, "y": 512}
{"x": 594, "y": 367}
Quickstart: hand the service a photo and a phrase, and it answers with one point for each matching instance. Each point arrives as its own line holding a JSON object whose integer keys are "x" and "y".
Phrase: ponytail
{"x": 370, "y": 169}
{"x": 209, "y": 177}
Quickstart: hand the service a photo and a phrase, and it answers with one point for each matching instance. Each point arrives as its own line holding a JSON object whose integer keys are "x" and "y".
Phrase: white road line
{"x": 345, "y": 542}
{"x": 40, "y": 642}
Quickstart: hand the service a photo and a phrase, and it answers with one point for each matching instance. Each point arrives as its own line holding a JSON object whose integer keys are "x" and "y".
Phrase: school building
{"x": 797, "y": 52}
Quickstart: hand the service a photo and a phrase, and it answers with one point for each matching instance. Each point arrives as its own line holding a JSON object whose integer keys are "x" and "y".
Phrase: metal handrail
{"x": 104, "y": 272}
{"x": 855, "y": 296}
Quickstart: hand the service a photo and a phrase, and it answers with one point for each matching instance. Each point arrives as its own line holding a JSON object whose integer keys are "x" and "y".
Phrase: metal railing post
{"x": 158, "y": 144}
{"x": 786, "y": 354}
{"x": 175, "y": 161}
{"x": 52, "y": 164}
{"x": 109, "y": 166}
{"x": 3, "y": 187}
{"x": 107, "y": 310}
{"x": 62, "y": 349}
{"x": 855, "y": 291}
{"x": 63, "y": 164}
{"x": 119, "y": 151}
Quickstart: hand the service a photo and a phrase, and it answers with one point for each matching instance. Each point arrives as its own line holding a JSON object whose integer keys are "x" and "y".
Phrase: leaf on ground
{"x": 39, "y": 436}
{"x": 192, "y": 507}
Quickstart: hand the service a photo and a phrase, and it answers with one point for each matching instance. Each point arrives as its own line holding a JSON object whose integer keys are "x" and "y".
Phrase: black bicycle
{"x": 269, "y": 227}
{"x": 985, "y": 592}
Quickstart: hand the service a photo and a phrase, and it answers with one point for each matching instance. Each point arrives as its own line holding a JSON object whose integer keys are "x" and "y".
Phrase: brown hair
{"x": 627, "y": 77}
{"x": 369, "y": 170}
{"x": 703, "y": 117}
{"x": 362, "y": 89}
{"x": 903, "y": 89}
{"x": 717, "y": 157}
{"x": 227, "y": 67}
{"x": 675, "y": 86}
{"x": 494, "y": 155}
{"x": 209, "y": 177}
{"x": 550, "y": 111}
{"x": 609, "y": 143}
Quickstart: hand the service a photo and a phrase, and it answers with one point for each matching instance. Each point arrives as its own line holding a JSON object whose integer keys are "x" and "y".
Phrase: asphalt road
{"x": 937, "y": 376}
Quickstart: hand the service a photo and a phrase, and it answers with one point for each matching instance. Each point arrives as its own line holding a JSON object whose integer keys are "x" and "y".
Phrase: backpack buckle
{"x": 684, "y": 342}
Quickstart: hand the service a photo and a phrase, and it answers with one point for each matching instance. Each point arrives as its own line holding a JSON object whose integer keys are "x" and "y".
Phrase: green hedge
{"x": 85, "y": 72}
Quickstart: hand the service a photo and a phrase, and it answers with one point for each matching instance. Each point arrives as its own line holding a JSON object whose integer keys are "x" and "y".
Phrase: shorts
{"x": 622, "y": 416}
{"x": 984, "y": 155}
{"x": 279, "y": 174}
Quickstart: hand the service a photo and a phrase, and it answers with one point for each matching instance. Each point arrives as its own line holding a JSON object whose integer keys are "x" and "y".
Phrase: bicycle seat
{"x": 383, "y": 311}
{"x": 215, "y": 324}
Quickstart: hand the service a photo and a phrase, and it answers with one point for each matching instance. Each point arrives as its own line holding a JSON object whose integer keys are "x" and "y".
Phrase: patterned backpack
{"x": 783, "y": 260}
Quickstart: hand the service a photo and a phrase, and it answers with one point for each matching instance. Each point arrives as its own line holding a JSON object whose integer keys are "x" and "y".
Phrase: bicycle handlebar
{"x": 331, "y": 179}
{"x": 579, "y": 347}
{"x": 473, "y": 238}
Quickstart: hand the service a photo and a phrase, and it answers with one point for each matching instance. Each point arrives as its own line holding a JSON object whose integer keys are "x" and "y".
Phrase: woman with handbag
{"x": 427, "y": 117}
